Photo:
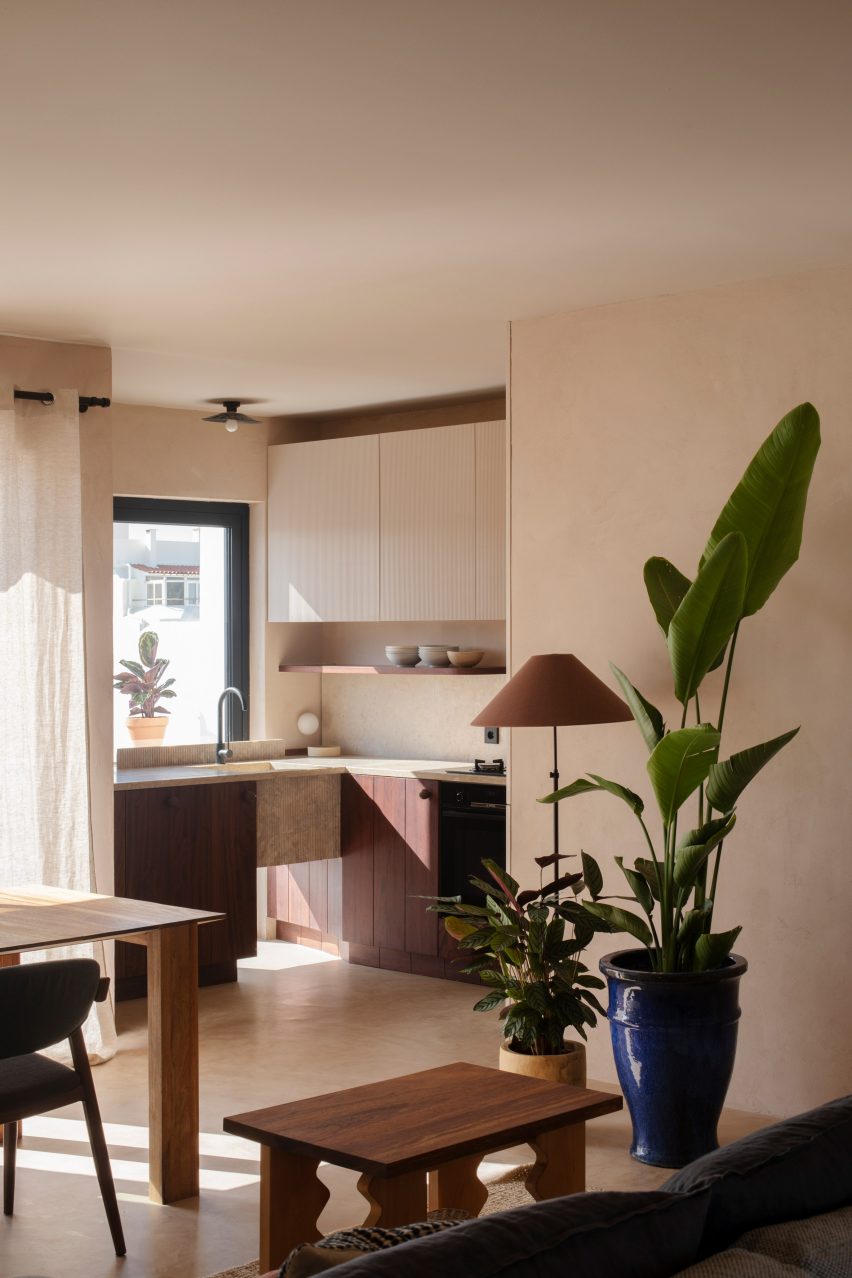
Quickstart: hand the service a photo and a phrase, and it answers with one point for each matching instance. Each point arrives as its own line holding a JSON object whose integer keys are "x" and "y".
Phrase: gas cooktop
{"x": 482, "y": 767}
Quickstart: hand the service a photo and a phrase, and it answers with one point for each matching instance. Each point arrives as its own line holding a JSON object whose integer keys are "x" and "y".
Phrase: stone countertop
{"x": 300, "y": 766}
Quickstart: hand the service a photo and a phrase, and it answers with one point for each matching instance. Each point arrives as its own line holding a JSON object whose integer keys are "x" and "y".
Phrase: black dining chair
{"x": 41, "y": 1004}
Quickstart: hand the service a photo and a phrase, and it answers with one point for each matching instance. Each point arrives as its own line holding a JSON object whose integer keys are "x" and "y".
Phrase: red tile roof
{"x": 168, "y": 570}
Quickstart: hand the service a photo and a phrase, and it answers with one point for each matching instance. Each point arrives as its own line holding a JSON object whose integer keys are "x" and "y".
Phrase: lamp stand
{"x": 554, "y": 776}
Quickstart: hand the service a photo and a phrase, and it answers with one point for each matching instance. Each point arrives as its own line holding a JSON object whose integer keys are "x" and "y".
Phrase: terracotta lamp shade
{"x": 551, "y": 691}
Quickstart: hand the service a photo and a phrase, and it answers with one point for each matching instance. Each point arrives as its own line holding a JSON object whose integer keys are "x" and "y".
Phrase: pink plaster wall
{"x": 630, "y": 425}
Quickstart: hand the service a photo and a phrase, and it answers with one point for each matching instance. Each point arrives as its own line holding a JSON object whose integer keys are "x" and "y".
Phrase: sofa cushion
{"x": 801, "y": 1167}
{"x": 820, "y": 1246}
{"x": 647, "y": 1235}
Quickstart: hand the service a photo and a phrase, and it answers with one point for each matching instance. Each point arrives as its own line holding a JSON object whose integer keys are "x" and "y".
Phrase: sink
{"x": 259, "y": 765}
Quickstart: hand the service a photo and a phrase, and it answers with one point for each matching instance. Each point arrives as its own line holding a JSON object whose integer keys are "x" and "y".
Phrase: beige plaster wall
{"x": 35, "y": 365}
{"x": 630, "y": 424}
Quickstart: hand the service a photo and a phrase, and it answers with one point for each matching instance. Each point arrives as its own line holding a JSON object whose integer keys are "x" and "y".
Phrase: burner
{"x": 495, "y": 768}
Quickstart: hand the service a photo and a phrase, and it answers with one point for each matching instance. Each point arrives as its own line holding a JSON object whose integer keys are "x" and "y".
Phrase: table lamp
{"x": 552, "y": 691}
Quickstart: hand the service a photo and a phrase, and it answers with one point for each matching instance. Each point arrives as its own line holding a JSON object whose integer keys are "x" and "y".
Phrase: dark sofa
{"x": 778, "y": 1202}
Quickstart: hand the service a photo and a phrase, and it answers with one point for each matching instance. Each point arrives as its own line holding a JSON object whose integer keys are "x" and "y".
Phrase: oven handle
{"x": 482, "y": 809}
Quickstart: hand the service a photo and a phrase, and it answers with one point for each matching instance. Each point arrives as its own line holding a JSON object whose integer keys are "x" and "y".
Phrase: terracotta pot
{"x": 147, "y": 732}
{"x": 568, "y": 1067}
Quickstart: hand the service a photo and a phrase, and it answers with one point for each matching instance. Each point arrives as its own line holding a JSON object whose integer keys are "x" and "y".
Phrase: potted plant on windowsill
{"x": 142, "y": 681}
{"x": 673, "y": 1003}
{"x": 526, "y": 946}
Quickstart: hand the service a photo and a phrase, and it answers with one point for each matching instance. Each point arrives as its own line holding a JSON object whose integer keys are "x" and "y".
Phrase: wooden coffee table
{"x": 437, "y": 1123}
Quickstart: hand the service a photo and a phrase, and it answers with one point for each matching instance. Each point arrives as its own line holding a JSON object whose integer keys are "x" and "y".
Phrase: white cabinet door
{"x": 323, "y": 530}
{"x": 428, "y": 525}
{"x": 490, "y": 521}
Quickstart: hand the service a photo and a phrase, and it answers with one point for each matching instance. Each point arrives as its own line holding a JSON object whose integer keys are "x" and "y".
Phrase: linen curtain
{"x": 45, "y": 830}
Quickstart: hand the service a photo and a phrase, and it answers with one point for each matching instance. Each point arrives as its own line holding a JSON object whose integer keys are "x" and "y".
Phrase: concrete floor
{"x": 281, "y": 1033}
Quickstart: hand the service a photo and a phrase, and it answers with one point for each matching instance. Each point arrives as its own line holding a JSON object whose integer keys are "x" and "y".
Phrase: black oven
{"x": 473, "y": 826}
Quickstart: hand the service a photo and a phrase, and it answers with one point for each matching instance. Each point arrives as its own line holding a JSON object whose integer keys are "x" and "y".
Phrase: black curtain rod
{"x": 46, "y": 397}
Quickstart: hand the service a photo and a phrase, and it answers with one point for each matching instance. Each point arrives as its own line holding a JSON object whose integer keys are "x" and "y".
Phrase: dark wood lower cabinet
{"x": 369, "y": 905}
{"x": 194, "y": 846}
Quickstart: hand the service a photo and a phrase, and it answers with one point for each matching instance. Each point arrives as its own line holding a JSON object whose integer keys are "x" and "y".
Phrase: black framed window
{"x": 180, "y": 568}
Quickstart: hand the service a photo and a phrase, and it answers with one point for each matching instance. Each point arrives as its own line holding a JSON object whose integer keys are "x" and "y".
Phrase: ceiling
{"x": 322, "y": 204}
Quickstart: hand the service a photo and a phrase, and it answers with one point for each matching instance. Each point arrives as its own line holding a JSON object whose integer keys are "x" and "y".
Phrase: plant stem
{"x": 726, "y": 684}
{"x": 708, "y": 922}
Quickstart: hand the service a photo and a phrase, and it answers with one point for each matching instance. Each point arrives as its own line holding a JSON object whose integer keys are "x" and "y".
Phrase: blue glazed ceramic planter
{"x": 674, "y": 1037}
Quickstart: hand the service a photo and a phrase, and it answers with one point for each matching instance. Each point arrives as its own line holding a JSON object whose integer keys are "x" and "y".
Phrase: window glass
{"x": 171, "y": 579}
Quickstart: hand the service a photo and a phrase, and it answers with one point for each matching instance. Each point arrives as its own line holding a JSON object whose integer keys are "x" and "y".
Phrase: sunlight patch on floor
{"x": 211, "y": 1144}
{"x": 123, "y": 1169}
{"x": 277, "y": 956}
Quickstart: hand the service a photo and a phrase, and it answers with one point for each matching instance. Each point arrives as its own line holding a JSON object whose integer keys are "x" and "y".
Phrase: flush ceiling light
{"x": 231, "y": 417}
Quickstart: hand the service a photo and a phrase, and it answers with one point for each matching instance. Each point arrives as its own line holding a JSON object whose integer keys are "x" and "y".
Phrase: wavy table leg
{"x": 394, "y": 1200}
{"x": 291, "y": 1199}
{"x": 560, "y": 1163}
{"x": 456, "y": 1184}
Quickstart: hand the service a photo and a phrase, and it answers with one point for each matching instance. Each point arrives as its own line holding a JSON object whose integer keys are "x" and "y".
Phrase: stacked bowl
{"x": 435, "y": 654}
{"x": 401, "y": 654}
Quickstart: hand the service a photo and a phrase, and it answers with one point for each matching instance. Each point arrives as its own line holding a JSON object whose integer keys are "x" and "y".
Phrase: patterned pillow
{"x": 735, "y": 1263}
{"x": 820, "y": 1246}
{"x": 349, "y": 1244}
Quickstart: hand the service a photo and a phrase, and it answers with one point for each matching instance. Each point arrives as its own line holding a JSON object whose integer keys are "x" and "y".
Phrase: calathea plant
{"x": 527, "y": 948}
{"x": 142, "y": 681}
{"x": 754, "y": 542}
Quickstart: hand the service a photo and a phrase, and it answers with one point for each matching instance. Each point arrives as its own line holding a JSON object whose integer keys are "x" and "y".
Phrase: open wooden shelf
{"x": 395, "y": 670}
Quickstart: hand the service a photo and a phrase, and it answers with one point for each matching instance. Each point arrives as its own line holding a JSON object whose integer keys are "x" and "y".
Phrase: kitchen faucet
{"x": 223, "y": 748}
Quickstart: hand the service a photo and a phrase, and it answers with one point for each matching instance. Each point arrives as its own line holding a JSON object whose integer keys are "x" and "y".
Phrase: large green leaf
{"x": 666, "y": 587}
{"x": 638, "y": 886}
{"x": 708, "y": 614}
{"x": 647, "y": 716}
{"x": 695, "y": 847}
{"x": 713, "y": 948}
{"x": 727, "y": 780}
{"x": 584, "y": 786}
{"x": 621, "y": 920}
{"x": 592, "y": 874}
{"x": 768, "y": 504}
{"x": 679, "y": 764}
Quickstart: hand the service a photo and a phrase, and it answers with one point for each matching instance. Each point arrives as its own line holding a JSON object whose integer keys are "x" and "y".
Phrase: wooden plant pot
{"x": 568, "y": 1067}
{"x": 147, "y": 732}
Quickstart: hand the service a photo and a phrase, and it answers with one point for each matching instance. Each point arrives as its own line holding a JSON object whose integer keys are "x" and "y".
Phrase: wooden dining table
{"x": 34, "y": 917}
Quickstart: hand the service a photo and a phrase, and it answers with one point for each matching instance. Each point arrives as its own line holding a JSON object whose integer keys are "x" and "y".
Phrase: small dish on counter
{"x": 323, "y": 752}
{"x": 436, "y": 654}
{"x": 402, "y": 654}
{"x": 465, "y": 658}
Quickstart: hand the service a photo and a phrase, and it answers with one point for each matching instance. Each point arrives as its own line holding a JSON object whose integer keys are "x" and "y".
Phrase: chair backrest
{"x": 43, "y": 1003}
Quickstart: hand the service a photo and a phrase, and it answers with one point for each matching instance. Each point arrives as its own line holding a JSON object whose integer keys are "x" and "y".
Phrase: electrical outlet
{"x": 492, "y": 736}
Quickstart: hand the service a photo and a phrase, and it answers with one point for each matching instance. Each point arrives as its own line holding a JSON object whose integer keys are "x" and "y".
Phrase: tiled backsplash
{"x": 173, "y": 756}
{"x": 411, "y": 717}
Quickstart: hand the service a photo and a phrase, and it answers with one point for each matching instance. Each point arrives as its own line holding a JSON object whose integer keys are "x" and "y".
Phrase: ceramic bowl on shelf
{"x": 436, "y": 654}
{"x": 466, "y": 658}
{"x": 402, "y": 654}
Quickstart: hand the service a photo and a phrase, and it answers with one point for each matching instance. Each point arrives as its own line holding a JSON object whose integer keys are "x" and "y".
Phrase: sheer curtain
{"x": 45, "y": 831}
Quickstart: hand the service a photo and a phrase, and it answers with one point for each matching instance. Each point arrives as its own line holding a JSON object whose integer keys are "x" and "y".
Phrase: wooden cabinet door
{"x": 232, "y": 869}
{"x": 491, "y": 503}
{"x": 356, "y": 797}
{"x": 389, "y": 856}
{"x": 428, "y": 524}
{"x": 193, "y": 846}
{"x": 323, "y": 530}
{"x": 421, "y": 865}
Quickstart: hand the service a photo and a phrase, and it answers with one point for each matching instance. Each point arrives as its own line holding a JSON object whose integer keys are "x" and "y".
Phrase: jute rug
{"x": 504, "y": 1192}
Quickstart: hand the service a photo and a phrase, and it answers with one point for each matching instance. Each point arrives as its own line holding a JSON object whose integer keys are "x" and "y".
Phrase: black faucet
{"x": 223, "y": 748}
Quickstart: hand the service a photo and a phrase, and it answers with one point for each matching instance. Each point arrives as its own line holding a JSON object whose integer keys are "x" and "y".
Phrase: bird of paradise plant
{"x": 753, "y": 544}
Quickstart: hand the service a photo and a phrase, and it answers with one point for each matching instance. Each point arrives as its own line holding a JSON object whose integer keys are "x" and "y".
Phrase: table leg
{"x": 173, "y": 1063}
{"x": 291, "y": 1199}
{"x": 456, "y": 1184}
{"x": 394, "y": 1200}
{"x": 560, "y": 1163}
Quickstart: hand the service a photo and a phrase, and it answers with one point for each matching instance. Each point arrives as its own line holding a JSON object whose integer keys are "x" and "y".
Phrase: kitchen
{"x": 369, "y": 544}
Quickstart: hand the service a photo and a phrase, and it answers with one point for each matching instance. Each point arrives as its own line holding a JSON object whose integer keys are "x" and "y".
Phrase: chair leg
{"x": 10, "y": 1142}
{"x": 98, "y": 1141}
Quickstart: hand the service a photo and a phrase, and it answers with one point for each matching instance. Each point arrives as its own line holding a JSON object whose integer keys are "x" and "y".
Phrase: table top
{"x": 36, "y": 917}
{"x": 421, "y": 1120}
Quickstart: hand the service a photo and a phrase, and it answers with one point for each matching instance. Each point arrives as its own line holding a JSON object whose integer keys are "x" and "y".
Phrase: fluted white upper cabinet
{"x": 490, "y": 521}
{"x": 428, "y": 524}
{"x": 323, "y": 530}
